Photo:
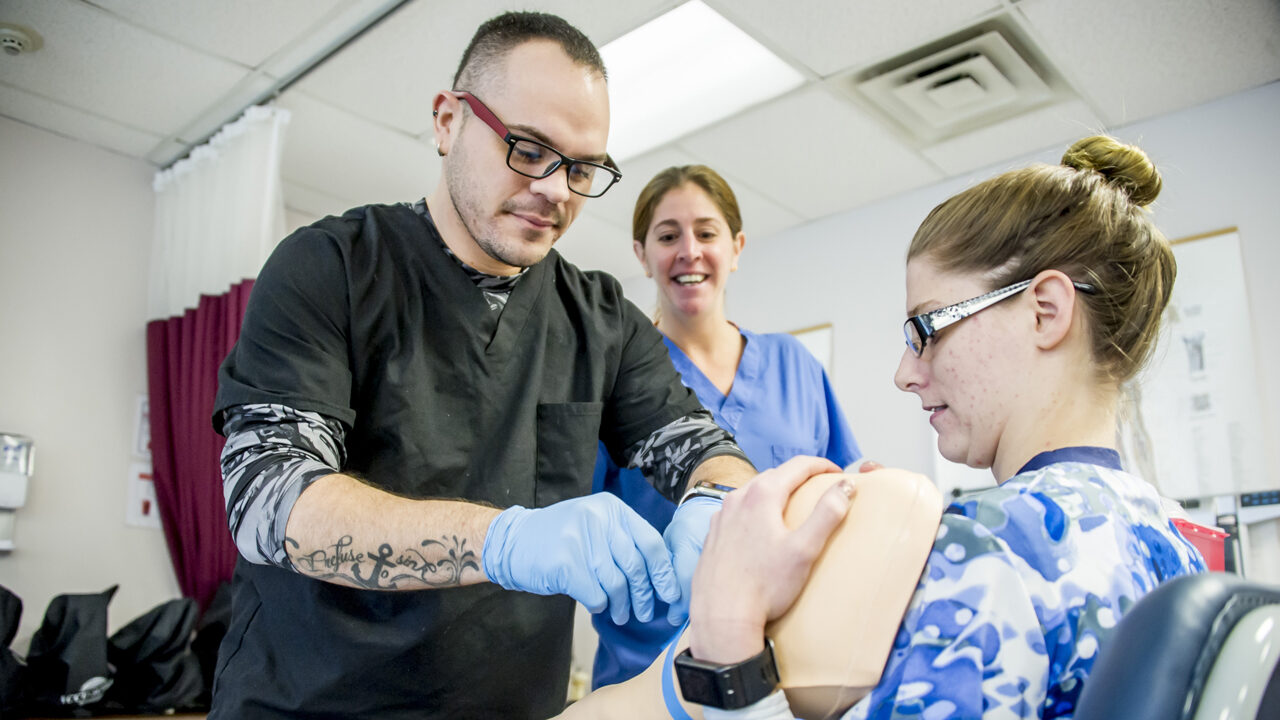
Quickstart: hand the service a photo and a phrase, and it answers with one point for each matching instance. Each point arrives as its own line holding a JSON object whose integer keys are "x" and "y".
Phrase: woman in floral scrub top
{"x": 1031, "y": 299}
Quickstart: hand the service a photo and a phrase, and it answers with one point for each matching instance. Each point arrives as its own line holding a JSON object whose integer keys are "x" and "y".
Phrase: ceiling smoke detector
{"x": 15, "y": 39}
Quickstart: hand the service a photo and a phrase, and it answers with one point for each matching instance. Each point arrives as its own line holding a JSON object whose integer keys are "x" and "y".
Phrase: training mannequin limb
{"x": 832, "y": 644}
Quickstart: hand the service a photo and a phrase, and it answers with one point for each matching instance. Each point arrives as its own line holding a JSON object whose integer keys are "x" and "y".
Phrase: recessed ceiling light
{"x": 682, "y": 71}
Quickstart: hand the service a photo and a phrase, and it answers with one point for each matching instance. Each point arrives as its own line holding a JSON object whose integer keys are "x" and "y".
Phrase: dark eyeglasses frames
{"x": 537, "y": 160}
{"x": 920, "y": 328}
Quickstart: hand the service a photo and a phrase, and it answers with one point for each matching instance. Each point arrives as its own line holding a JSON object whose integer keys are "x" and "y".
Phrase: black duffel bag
{"x": 13, "y": 672}
{"x": 67, "y": 668}
{"x": 155, "y": 669}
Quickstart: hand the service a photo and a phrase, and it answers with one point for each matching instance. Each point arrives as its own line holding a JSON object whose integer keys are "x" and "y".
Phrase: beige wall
{"x": 75, "y": 237}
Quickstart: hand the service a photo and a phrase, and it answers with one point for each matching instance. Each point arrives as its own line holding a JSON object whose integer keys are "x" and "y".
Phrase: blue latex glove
{"x": 684, "y": 537}
{"x": 594, "y": 549}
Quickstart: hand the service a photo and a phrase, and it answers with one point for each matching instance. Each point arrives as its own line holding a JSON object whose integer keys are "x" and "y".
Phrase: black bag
{"x": 13, "y": 686}
{"x": 67, "y": 667}
{"x": 155, "y": 670}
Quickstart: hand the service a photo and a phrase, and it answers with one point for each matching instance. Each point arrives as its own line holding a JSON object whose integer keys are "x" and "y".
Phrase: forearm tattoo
{"x": 432, "y": 564}
{"x": 669, "y": 455}
{"x": 273, "y": 453}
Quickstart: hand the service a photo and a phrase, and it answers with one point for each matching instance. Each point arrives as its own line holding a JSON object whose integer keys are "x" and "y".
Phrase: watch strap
{"x": 670, "y": 695}
{"x": 728, "y": 687}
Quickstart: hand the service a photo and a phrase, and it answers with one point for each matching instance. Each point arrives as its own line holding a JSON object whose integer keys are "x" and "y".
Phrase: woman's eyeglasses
{"x": 920, "y": 328}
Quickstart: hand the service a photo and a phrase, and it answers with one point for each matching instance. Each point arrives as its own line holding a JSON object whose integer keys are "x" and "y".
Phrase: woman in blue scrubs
{"x": 767, "y": 390}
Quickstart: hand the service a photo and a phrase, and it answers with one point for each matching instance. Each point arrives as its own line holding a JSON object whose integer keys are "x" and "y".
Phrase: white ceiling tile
{"x": 166, "y": 152}
{"x": 602, "y": 22}
{"x": 226, "y": 108}
{"x": 829, "y": 36}
{"x": 302, "y": 201}
{"x": 1140, "y": 58}
{"x": 618, "y": 205}
{"x": 391, "y": 74}
{"x": 761, "y": 216}
{"x": 94, "y": 61}
{"x": 345, "y": 156}
{"x": 314, "y": 47}
{"x": 814, "y": 153}
{"x": 1059, "y": 124}
{"x": 594, "y": 244}
{"x": 243, "y": 31}
{"x": 75, "y": 123}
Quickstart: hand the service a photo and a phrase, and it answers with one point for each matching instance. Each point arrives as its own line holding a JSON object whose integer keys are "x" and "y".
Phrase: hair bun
{"x": 1124, "y": 166}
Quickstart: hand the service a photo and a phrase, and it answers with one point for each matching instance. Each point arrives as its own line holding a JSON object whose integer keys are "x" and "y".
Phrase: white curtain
{"x": 219, "y": 212}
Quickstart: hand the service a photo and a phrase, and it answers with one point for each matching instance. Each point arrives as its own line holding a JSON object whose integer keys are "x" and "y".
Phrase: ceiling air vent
{"x": 957, "y": 89}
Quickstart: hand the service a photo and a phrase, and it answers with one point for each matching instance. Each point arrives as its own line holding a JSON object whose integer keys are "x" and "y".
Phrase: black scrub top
{"x": 366, "y": 319}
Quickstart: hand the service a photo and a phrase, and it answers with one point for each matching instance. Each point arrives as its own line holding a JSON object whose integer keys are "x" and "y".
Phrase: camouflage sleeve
{"x": 273, "y": 453}
{"x": 668, "y": 456}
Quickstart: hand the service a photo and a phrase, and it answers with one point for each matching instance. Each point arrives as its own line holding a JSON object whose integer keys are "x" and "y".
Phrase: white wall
{"x": 74, "y": 247}
{"x": 1220, "y": 168}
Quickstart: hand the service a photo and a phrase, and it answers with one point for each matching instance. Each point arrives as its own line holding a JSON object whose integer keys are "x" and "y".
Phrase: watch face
{"x": 697, "y": 685}
{"x": 727, "y": 686}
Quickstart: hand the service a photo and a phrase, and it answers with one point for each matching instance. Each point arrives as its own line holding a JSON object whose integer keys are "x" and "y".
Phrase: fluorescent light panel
{"x": 682, "y": 71}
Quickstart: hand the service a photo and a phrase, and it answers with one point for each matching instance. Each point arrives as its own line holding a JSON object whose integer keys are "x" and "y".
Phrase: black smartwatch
{"x": 728, "y": 687}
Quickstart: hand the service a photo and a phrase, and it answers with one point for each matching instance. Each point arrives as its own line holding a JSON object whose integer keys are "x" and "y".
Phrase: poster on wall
{"x": 1199, "y": 401}
{"x": 817, "y": 340}
{"x": 141, "y": 510}
{"x": 142, "y": 428}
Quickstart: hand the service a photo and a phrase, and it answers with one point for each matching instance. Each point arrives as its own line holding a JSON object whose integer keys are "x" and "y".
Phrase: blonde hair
{"x": 1084, "y": 217}
{"x": 675, "y": 177}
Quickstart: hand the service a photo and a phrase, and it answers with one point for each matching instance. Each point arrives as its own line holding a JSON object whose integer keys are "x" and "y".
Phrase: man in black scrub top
{"x": 412, "y": 412}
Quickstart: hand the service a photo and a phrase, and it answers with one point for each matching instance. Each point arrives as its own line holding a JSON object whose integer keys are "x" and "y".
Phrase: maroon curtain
{"x": 183, "y": 355}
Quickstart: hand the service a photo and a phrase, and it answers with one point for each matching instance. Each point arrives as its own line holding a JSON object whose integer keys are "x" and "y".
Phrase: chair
{"x": 1197, "y": 647}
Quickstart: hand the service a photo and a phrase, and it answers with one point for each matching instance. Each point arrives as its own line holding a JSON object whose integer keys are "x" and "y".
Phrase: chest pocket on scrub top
{"x": 568, "y": 434}
{"x": 783, "y": 453}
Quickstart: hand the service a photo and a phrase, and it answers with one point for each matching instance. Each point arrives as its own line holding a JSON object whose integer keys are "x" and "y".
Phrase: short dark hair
{"x": 497, "y": 36}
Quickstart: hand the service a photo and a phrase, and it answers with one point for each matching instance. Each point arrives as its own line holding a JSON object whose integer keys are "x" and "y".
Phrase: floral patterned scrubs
{"x": 1024, "y": 584}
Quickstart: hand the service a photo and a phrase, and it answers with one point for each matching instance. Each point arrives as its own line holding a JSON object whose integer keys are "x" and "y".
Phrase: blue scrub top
{"x": 780, "y": 405}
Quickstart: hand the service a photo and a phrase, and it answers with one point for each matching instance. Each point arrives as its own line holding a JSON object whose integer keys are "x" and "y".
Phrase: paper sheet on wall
{"x": 142, "y": 427}
{"x": 817, "y": 340}
{"x": 141, "y": 510}
{"x": 1199, "y": 395}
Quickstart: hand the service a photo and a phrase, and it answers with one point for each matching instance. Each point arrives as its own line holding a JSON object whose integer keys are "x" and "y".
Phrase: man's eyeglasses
{"x": 920, "y": 328}
{"x": 535, "y": 159}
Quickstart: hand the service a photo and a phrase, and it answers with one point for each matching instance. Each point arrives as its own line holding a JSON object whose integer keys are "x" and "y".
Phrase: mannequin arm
{"x": 832, "y": 644}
